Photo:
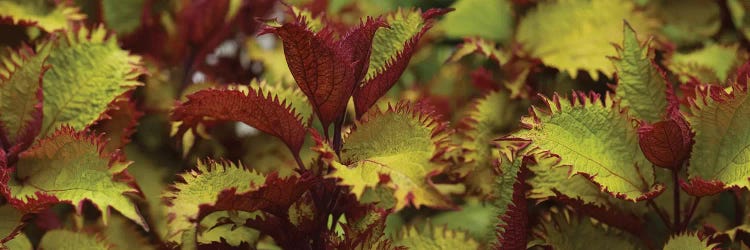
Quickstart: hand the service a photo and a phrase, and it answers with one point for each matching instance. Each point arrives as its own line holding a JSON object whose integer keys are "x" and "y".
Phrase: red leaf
{"x": 373, "y": 89}
{"x": 700, "y": 187}
{"x": 516, "y": 218}
{"x": 327, "y": 71}
{"x": 264, "y": 113}
{"x": 483, "y": 80}
{"x": 666, "y": 143}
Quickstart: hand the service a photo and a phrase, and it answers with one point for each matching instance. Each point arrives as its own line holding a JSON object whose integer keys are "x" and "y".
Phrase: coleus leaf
{"x": 256, "y": 108}
{"x": 65, "y": 239}
{"x": 666, "y": 143}
{"x": 489, "y": 115}
{"x": 432, "y": 237}
{"x": 203, "y": 186}
{"x": 479, "y": 46}
{"x": 88, "y": 71}
{"x": 326, "y": 70}
{"x": 596, "y": 138}
{"x": 512, "y": 227}
{"x": 641, "y": 84}
{"x": 566, "y": 230}
{"x": 38, "y": 13}
{"x": 20, "y": 242}
{"x": 688, "y": 241}
{"x": 720, "y": 153}
{"x": 392, "y": 49}
{"x": 366, "y": 233}
{"x": 123, "y": 235}
{"x": 574, "y": 48}
{"x": 72, "y": 167}
{"x": 491, "y": 20}
{"x": 711, "y": 64}
{"x": 119, "y": 122}
{"x": 10, "y": 222}
{"x": 395, "y": 148}
{"x": 705, "y": 22}
{"x": 20, "y": 99}
{"x": 123, "y": 17}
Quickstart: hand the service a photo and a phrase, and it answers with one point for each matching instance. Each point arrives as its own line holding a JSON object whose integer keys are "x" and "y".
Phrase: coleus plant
{"x": 352, "y": 154}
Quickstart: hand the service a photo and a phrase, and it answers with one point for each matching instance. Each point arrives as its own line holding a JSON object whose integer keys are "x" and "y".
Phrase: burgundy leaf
{"x": 700, "y": 187}
{"x": 264, "y": 113}
{"x": 483, "y": 80}
{"x": 366, "y": 95}
{"x": 516, "y": 219}
{"x": 327, "y": 71}
{"x": 666, "y": 143}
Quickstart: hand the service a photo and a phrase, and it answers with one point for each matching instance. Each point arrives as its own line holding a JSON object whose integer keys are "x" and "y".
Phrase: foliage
{"x": 457, "y": 124}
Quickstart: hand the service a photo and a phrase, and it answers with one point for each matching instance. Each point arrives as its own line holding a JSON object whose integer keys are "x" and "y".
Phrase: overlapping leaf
{"x": 583, "y": 31}
{"x": 20, "y": 98}
{"x": 88, "y": 71}
{"x": 254, "y": 107}
{"x": 722, "y": 138}
{"x": 203, "y": 186}
{"x": 64, "y": 239}
{"x": 72, "y": 167}
{"x": 432, "y": 237}
{"x": 563, "y": 230}
{"x": 395, "y": 148}
{"x": 596, "y": 138}
{"x": 688, "y": 241}
{"x": 710, "y": 64}
{"x": 512, "y": 226}
{"x": 641, "y": 85}
{"x": 39, "y": 14}
{"x": 392, "y": 49}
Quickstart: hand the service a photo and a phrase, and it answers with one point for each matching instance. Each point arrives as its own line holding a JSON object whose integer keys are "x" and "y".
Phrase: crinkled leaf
{"x": 326, "y": 70}
{"x": 254, "y": 107}
{"x": 711, "y": 64}
{"x": 489, "y": 116}
{"x": 392, "y": 49}
{"x": 64, "y": 239}
{"x": 88, "y": 71}
{"x": 395, "y": 148}
{"x": 72, "y": 167}
{"x": 563, "y": 230}
{"x": 512, "y": 222}
{"x": 435, "y": 238}
{"x": 722, "y": 138}
{"x": 122, "y": 17}
{"x": 10, "y": 222}
{"x": 688, "y": 241}
{"x": 596, "y": 138}
{"x": 20, "y": 98}
{"x": 489, "y": 19}
{"x": 704, "y": 20}
{"x": 641, "y": 85}
{"x": 203, "y": 186}
{"x": 583, "y": 31}
{"x": 38, "y": 13}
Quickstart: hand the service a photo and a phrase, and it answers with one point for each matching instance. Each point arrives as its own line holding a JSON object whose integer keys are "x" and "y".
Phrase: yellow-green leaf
{"x": 10, "y": 220}
{"x": 88, "y": 71}
{"x": 39, "y": 13}
{"x": 202, "y": 186}
{"x": 574, "y": 35}
{"x": 564, "y": 230}
{"x": 641, "y": 86}
{"x": 596, "y": 138}
{"x": 489, "y": 19}
{"x": 435, "y": 238}
{"x": 123, "y": 17}
{"x": 20, "y": 100}
{"x": 396, "y": 148}
{"x": 704, "y": 21}
{"x": 711, "y": 64}
{"x": 389, "y": 42}
{"x": 688, "y": 242}
{"x": 72, "y": 167}
{"x": 68, "y": 240}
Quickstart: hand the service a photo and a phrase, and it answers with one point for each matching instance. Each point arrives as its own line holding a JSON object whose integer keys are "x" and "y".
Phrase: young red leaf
{"x": 381, "y": 79}
{"x": 327, "y": 71}
{"x": 264, "y": 112}
{"x": 666, "y": 143}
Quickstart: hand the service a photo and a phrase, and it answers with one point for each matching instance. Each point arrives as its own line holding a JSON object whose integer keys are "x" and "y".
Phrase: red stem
{"x": 676, "y": 194}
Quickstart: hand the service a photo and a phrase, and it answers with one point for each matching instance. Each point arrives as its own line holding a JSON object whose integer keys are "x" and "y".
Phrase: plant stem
{"x": 300, "y": 164}
{"x": 676, "y": 194}
{"x": 661, "y": 214}
{"x": 738, "y": 211}
{"x": 689, "y": 216}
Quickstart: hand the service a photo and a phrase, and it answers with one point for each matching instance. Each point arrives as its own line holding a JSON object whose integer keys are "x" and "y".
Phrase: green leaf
{"x": 489, "y": 116}
{"x": 88, "y": 71}
{"x": 641, "y": 85}
{"x": 20, "y": 242}
{"x": 435, "y": 238}
{"x": 582, "y": 30}
{"x": 474, "y": 218}
{"x": 389, "y": 42}
{"x": 150, "y": 172}
{"x": 564, "y": 230}
{"x": 202, "y": 186}
{"x": 489, "y": 19}
{"x": 738, "y": 10}
{"x": 597, "y": 139}
{"x": 69, "y": 240}
{"x": 704, "y": 21}
{"x": 72, "y": 167}
{"x": 711, "y": 64}
{"x": 233, "y": 233}
{"x": 10, "y": 221}
{"x": 395, "y": 148}
{"x": 39, "y": 13}
{"x": 20, "y": 95}
{"x": 479, "y": 46}
{"x": 123, "y": 17}
{"x": 123, "y": 235}
{"x": 688, "y": 241}
{"x": 722, "y": 138}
